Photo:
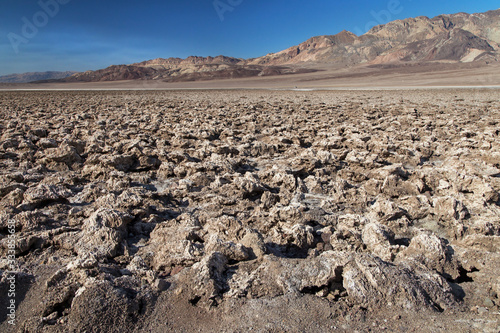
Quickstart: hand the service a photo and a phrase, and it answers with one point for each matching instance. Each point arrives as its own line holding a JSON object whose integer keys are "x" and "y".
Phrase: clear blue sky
{"x": 90, "y": 34}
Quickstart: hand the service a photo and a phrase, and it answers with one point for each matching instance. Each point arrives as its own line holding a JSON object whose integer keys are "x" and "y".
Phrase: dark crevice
{"x": 402, "y": 241}
{"x": 194, "y": 301}
{"x": 438, "y": 307}
{"x": 253, "y": 196}
{"x": 62, "y": 307}
{"x": 334, "y": 288}
{"x": 289, "y": 250}
{"x": 464, "y": 275}
{"x": 313, "y": 289}
{"x": 141, "y": 307}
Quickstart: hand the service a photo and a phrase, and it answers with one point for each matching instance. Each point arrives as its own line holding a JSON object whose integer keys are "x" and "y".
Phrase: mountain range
{"x": 450, "y": 39}
{"x": 34, "y": 76}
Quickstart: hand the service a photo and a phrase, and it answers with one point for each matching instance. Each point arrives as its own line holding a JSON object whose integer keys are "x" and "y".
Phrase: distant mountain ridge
{"x": 456, "y": 38}
{"x": 34, "y": 76}
{"x": 459, "y": 37}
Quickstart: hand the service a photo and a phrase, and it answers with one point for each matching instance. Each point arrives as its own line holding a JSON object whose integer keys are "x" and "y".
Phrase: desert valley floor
{"x": 251, "y": 210}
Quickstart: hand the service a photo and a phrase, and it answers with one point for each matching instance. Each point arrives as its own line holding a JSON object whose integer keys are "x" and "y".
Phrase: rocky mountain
{"x": 34, "y": 76}
{"x": 453, "y": 38}
{"x": 167, "y": 70}
{"x": 456, "y": 38}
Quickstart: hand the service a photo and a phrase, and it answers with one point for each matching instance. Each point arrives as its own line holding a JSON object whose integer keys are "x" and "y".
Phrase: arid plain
{"x": 252, "y": 210}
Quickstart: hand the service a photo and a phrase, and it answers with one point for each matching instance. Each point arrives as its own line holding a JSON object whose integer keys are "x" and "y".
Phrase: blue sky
{"x": 88, "y": 34}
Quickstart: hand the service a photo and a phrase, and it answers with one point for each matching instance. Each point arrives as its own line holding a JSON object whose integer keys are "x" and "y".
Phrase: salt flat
{"x": 271, "y": 210}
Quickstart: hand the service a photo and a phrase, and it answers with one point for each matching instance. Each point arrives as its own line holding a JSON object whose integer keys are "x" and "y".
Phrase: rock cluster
{"x": 361, "y": 199}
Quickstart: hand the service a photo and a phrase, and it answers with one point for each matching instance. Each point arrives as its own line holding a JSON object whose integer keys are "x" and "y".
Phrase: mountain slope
{"x": 172, "y": 73}
{"x": 34, "y": 76}
{"x": 457, "y": 38}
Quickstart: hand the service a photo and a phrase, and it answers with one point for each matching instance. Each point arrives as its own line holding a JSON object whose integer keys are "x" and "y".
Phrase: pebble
{"x": 161, "y": 285}
{"x": 482, "y": 310}
{"x": 488, "y": 303}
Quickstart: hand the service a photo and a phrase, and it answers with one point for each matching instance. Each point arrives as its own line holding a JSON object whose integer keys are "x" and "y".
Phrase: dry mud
{"x": 237, "y": 211}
